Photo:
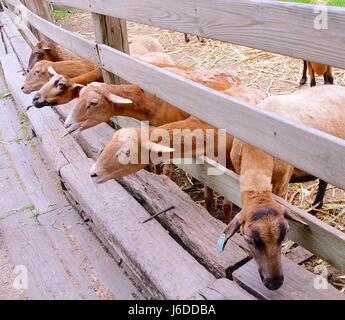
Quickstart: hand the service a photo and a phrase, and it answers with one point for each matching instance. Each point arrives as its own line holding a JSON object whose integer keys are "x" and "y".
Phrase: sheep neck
{"x": 137, "y": 109}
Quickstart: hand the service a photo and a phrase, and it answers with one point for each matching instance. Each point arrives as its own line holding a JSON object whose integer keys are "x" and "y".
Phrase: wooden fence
{"x": 284, "y": 28}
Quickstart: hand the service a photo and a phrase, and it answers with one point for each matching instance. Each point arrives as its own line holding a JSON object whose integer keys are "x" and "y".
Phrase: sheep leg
{"x": 186, "y": 37}
{"x": 227, "y": 209}
{"x": 312, "y": 75}
{"x": 157, "y": 169}
{"x": 168, "y": 170}
{"x": 328, "y": 78}
{"x": 208, "y": 196}
{"x": 200, "y": 39}
{"x": 304, "y": 74}
{"x": 320, "y": 194}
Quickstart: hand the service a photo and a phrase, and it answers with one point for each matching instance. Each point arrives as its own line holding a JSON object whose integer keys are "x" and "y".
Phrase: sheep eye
{"x": 249, "y": 240}
{"x": 61, "y": 86}
{"x": 93, "y": 103}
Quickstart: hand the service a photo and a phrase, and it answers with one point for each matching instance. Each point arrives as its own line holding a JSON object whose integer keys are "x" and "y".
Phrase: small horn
{"x": 51, "y": 71}
{"x": 156, "y": 147}
{"x": 117, "y": 99}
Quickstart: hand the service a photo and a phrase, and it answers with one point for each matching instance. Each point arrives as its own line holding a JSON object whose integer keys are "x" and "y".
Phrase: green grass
{"x": 334, "y": 3}
{"x": 59, "y": 14}
{"x": 300, "y": 1}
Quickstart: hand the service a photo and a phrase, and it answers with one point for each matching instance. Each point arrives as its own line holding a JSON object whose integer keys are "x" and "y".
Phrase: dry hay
{"x": 272, "y": 73}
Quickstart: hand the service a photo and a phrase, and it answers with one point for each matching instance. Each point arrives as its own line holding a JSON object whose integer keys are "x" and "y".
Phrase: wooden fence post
{"x": 41, "y": 8}
{"x": 112, "y": 32}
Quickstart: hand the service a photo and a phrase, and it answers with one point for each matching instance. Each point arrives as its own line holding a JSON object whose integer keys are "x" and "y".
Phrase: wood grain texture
{"x": 298, "y": 284}
{"x": 64, "y": 259}
{"x": 274, "y": 135}
{"x": 318, "y": 237}
{"x": 42, "y": 9}
{"x": 189, "y": 222}
{"x": 23, "y": 28}
{"x": 223, "y": 289}
{"x": 290, "y": 29}
{"x": 19, "y": 45}
{"x": 267, "y": 131}
{"x": 164, "y": 268}
{"x": 85, "y": 48}
{"x": 45, "y": 122}
{"x": 299, "y": 255}
{"x": 156, "y": 193}
{"x": 112, "y": 32}
{"x": 146, "y": 248}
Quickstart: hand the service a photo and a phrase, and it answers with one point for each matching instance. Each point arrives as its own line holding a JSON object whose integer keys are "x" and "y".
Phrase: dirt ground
{"x": 272, "y": 73}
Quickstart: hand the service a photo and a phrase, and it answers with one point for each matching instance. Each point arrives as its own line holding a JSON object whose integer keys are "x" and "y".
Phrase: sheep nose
{"x": 36, "y": 97}
{"x": 94, "y": 175}
{"x": 274, "y": 283}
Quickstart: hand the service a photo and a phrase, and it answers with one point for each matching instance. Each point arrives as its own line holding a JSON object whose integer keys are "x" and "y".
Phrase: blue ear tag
{"x": 221, "y": 242}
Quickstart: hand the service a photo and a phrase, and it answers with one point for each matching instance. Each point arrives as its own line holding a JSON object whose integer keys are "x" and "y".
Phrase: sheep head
{"x": 127, "y": 153}
{"x": 94, "y": 106}
{"x": 263, "y": 223}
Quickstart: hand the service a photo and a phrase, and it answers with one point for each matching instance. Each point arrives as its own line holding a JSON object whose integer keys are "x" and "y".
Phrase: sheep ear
{"x": 51, "y": 71}
{"x": 294, "y": 217}
{"x": 156, "y": 147}
{"x": 47, "y": 49}
{"x": 229, "y": 231}
{"x": 77, "y": 87}
{"x": 117, "y": 99}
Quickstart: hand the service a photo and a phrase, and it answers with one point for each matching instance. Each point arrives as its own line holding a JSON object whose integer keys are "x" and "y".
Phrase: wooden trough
{"x": 173, "y": 257}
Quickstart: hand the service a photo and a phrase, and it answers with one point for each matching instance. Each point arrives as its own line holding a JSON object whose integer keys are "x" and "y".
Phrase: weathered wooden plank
{"x": 45, "y": 122}
{"x": 157, "y": 193}
{"x": 166, "y": 269}
{"x": 112, "y": 32}
{"x": 223, "y": 289}
{"x": 42, "y": 9}
{"x": 57, "y": 243}
{"x": 274, "y": 135}
{"x": 19, "y": 45}
{"x": 242, "y": 22}
{"x": 22, "y": 27}
{"x": 9, "y": 27}
{"x": 188, "y": 221}
{"x": 299, "y": 284}
{"x": 318, "y": 237}
{"x": 267, "y": 131}
{"x": 83, "y": 47}
{"x": 136, "y": 241}
{"x": 299, "y": 255}
{"x": 5, "y": 43}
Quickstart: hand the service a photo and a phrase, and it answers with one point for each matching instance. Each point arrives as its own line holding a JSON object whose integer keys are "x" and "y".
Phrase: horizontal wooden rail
{"x": 28, "y": 35}
{"x": 287, "y": 28}
{"x": 308, "y": 149}
{"x": 318, "y": 237}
